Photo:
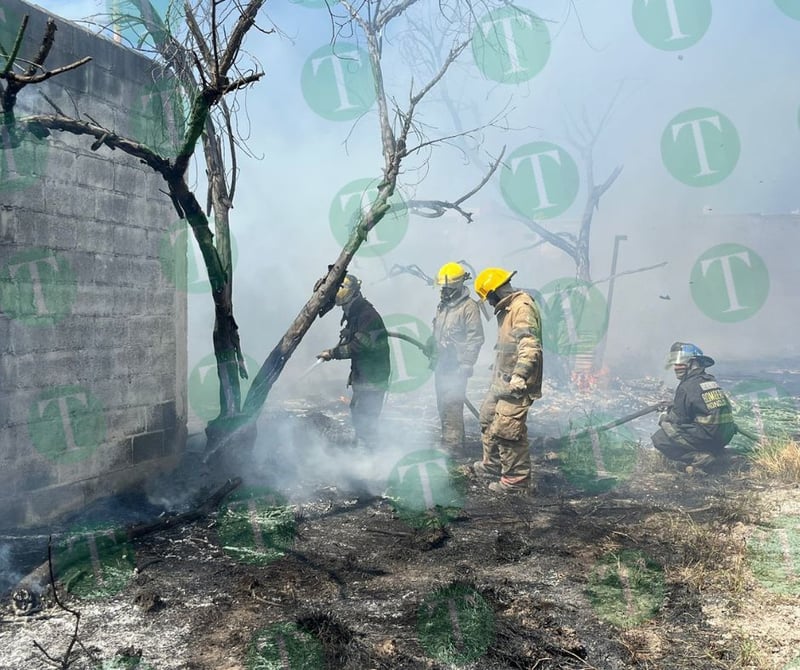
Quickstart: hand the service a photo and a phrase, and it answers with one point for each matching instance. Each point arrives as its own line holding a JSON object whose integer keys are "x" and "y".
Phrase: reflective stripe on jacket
{"x": 701, "y": 412}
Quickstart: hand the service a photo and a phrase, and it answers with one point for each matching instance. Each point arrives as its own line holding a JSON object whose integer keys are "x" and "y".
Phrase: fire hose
{"x": 429, "y": 356}
{"x": 659, "y": 406}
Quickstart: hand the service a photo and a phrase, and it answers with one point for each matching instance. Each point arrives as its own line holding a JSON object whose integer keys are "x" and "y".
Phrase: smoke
{"x": 9, "y": 577}
{"x": 307, "y": 450}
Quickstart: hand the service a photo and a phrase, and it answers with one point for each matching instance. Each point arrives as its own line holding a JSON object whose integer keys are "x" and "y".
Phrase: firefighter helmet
{"x": 682, "y": 353}
{"x": 491, "y": 279}
{"x": 348, "y": 289}
{"x": 451, "y": 274}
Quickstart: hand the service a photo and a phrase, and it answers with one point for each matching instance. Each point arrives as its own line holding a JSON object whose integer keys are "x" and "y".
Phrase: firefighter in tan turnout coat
{"x": 516, "y": 382}
{"x": 453, "y": 348}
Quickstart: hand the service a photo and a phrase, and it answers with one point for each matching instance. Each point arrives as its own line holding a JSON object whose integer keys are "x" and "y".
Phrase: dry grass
{"x": 777, "y": 459}
{"x": 748, "y": 654}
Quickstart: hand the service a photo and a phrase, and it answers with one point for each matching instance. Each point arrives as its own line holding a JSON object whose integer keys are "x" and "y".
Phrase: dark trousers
{"x": 365, "y": 409}
{"x": 680, "y": 449}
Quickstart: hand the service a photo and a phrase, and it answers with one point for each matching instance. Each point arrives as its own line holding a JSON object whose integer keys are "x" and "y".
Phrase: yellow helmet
{"x": 451, "y": 273}
{"x": 348, "y": 289}
{"x": 491, "y": 279}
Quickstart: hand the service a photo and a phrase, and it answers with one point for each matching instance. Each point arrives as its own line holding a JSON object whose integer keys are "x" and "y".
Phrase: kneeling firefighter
{"x": 699, "y": 423}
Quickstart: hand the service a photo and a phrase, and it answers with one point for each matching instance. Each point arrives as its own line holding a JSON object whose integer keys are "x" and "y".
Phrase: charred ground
{"x": 654, "y": 569}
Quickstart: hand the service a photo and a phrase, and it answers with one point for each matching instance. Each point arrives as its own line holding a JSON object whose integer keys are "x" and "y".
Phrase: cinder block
{"x": 108, "y": 333}
{"x": 63, "y": 199}
{"x": 46, "y": 504}
{"x": 128, "y": 239}
{"x": 14, "y": 511}
{"x": 35, "y": 474}
{"x": 148, "y": 446}
{"x": 132, "y": 180}
{"x": 8, "y": 224}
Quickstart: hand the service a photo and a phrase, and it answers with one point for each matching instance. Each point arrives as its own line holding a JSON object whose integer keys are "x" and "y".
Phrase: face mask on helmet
{"x": 684, "y": 356}
{"x": 451, "y": 292}
{"x": 681, "y": 353}
{"x": 348, "y": 290}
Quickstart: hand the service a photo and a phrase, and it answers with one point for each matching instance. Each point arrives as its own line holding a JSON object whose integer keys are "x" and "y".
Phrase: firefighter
{"x": 453, "y": 349}
{"x": 516, "y": 383}
{"x": 699, "y": 423}
{"x": 364, "y": 340}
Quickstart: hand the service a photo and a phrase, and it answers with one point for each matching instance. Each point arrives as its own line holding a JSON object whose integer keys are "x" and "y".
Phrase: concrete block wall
{"x": 92, "y": 325}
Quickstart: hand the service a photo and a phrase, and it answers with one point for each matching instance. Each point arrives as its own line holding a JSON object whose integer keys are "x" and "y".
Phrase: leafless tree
{"x": 402, "y": 137}
{"x": 187, "y": 57}
{"x": 209, "y": 65}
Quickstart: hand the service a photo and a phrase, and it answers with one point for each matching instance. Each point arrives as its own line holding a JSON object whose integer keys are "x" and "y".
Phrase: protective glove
{"x": 325, "y": 355}
{"x": 517, "y": 385}
{"x": 663, "y": 417}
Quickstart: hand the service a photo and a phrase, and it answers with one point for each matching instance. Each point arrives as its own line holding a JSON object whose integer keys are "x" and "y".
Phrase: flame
{"x": 590, "y": 380}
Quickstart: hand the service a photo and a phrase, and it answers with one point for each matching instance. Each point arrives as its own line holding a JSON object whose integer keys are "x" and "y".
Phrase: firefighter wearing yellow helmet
{"x": 516, "y": 383}
{"x": 454, "y": 346}
{"x": 364, "y": 340}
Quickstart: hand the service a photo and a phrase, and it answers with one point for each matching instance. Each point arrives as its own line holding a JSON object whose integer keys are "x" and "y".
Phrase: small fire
{"x": 589, "y": 380}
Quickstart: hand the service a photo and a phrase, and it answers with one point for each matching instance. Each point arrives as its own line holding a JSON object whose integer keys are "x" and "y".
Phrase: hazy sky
{"x": 704, "y": 123}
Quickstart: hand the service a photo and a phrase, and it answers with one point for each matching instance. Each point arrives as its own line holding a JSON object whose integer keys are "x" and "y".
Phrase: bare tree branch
{"x": 64, "y": 662}
{"x": 628, "y": 272}
{"x": 199, "y": 38}
{"x": 382, "y": 18}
